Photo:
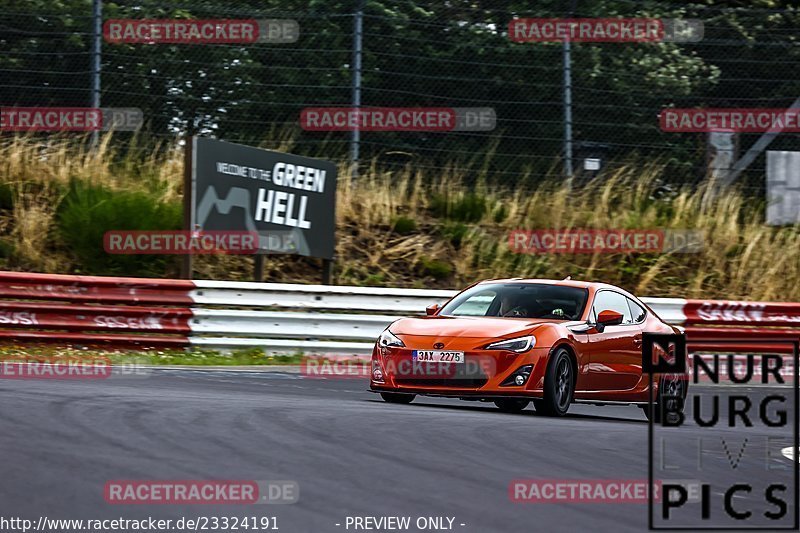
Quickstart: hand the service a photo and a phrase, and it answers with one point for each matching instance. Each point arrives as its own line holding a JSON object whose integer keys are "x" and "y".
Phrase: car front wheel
{"x": 559, "y": 386}
{"x": 670, "y": 399}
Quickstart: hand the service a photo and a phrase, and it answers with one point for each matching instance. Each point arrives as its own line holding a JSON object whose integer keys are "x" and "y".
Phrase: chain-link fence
{"x": 449, "y": 53}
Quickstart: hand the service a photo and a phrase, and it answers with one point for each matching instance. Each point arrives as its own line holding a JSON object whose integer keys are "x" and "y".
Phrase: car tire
{"x": 676, "y": 386}
{"x": 511, "y": 405}
{"x": 559, "y": 385}
{"x": 397, "y": 397}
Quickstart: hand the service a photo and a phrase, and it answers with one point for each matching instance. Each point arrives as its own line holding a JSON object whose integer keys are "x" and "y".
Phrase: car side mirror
{"x": 609, "y": 318}
{"x": 431, "y": 309}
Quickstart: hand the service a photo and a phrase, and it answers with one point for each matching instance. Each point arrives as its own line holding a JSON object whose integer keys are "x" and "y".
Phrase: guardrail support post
{"x": 258, "y": 268}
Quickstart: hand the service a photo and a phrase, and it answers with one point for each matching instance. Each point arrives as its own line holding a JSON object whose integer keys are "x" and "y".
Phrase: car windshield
{"x": 519, "y": 300}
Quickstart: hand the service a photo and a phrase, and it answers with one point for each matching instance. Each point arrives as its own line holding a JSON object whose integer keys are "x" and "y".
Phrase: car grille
{"x": 460, "y": 383}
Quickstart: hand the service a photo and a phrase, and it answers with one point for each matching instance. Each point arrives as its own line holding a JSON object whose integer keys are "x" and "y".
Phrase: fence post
{"x": 568, "y": 111}
{"x": 97, "y": 43}
{"x": 567, "y": 66}
{"x": 355, "y": 135}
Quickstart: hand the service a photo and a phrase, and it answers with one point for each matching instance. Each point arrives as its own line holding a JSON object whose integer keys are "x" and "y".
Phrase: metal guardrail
{"x": 288, "y": 325}
{"x": 316, "y": 297}
{"x": 286, "y": 318}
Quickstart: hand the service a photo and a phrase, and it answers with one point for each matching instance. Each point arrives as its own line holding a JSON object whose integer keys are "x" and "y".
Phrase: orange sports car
{"x": 516, "y": 341}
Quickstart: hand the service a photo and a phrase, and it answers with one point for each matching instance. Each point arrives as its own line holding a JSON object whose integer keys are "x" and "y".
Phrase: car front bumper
{"x": 484, "y": 373}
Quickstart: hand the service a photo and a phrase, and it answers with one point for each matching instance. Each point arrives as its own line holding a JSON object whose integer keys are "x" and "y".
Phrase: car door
{"x": 615, "y": 354}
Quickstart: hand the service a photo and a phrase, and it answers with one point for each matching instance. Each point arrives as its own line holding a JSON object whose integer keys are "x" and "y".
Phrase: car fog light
{"x": 518, "y": 378}
{"x": 377, "y": 375}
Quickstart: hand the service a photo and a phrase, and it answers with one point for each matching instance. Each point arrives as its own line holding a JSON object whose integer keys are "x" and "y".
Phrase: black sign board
{"x": 288, "y": 199}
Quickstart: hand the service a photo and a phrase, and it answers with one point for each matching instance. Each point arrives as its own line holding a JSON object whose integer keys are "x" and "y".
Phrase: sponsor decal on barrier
{"x": 730, "y": 120}
{"x": 185, "y": 31}
{"x": 604, "y": 30}
{"x": 54, "y": 119}
{"x": 124, "y": 322}
{"x": 22, "y": 318}
{"x": 592, "y": 241}
{"x": 181, "y": 242}
{"x": 777, "y": 314}
{"x": 430, "y": 119}
{"x": 200, "y": 492}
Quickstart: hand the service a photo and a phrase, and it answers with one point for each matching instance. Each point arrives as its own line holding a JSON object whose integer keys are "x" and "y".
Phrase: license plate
{"x": 436, "y": 356}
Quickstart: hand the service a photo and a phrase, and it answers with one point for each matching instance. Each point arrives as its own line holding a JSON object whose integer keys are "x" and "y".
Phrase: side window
{"x": 614, "y": 301}
{"x": 637, "y": 311}
{"x": 476, "y": 305}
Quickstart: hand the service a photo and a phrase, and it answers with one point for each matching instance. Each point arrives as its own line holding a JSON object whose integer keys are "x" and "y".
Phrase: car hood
{"x": 467, "y": 327}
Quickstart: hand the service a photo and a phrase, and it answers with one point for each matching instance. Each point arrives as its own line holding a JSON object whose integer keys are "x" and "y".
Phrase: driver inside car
{"x": 516, "y": 305}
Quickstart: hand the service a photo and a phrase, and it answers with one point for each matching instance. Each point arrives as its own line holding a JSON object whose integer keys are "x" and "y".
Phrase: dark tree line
{"x": 427, "y": 53}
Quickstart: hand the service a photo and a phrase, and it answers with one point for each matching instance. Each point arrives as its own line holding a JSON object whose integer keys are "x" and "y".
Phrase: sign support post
{"x": 327, "y": 271}
{"x": 258, "y": 268}
{"x": 188, "y": 202}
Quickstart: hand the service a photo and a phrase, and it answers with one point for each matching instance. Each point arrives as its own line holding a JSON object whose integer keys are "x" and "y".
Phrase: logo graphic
{"x": 318, "y": 367}
{"x": 729, "y": 440}
{"x": 70, "y": 119}
{"x": 730, "y": 120}
{"x": 604, "y": 30}
{"x": 581, "y": 491}
{"x": 181, "y": 242}
{"x": 663, "y": 353}
{"x": 50, "y": 367}
{"x": 181, "y": 31}
{"x": 593, "y": 241}
{"x": 292, "y": 241}
{"x": 438, "y": 345}
{"x": 200, "y": 492}
{"x": 431, "y": 119}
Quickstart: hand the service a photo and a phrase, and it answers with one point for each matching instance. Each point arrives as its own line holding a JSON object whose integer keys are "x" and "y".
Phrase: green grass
{"x": 404, "y": 225}
{"x": 88, "y": 211}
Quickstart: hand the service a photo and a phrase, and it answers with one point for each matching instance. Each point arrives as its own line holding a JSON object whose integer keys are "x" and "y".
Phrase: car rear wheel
{"x": 397, "y": 397}
{"x": 511, "y": 405}
{"x": 559, "y": 386}
{"x": 672, "y": 387}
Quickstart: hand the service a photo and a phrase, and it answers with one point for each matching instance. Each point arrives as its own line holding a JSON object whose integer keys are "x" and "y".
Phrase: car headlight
{"x": 519, "y": 345}
{"x": 387, "y": 339}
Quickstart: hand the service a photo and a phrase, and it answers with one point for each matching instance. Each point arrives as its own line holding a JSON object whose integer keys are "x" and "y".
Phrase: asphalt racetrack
{"x": 351, "y": 453}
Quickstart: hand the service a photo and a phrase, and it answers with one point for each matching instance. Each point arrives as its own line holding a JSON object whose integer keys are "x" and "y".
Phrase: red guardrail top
{"x": 68, "y": 279}
{"x": 28, "y": 286}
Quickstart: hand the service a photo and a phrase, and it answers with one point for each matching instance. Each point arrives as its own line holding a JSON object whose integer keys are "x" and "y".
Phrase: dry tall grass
{"x": 394, "y": 227}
